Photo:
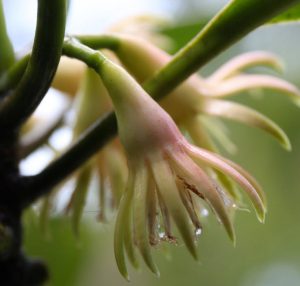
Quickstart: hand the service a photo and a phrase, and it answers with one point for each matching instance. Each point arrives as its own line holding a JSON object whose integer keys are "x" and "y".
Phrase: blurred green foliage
{"x": 181, "y": 34}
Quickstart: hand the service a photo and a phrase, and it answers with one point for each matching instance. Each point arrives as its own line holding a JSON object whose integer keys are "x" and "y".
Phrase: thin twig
{"x": 40, "y": 134}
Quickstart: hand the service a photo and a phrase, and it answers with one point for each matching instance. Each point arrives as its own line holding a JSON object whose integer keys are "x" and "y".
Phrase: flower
{"x": 167, "y": 176}
{"x": 199, "y": 96}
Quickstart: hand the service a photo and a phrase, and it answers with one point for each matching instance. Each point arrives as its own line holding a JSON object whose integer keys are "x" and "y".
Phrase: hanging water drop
{"x": 162, "y": 234}
{"x": 198, "y": 232}
{"x": 204, "y": 213}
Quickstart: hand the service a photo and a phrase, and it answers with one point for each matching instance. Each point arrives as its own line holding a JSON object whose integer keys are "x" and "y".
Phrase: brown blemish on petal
{"x": 191, "y": 187}
{"x": 188, "y": 203}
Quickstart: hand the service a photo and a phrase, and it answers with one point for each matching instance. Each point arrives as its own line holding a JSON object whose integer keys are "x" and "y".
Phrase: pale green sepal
{"x": 123, "y": 225}
{"x": 188, "y": 203}
{"x": 248, "y": 82}
{"x": 253, "y": 182}
{"x": 243, "y": 114}
{"x": 218, "y": 163}
{"x": 219, "y": 132}
{"x": 79, "y": 197}
{"x": 246, "y": 61}
{"x": 228, "y": 185}
{"x": 166, "y": 185}
{"x": 92, "y": 101}
{"x": 201, "y": 139}
{"x": 200, "y": 183}
{"x": 140, "y": 218}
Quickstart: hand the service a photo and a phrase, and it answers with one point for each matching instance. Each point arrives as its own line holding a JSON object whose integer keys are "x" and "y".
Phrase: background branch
{"x": 40, "y": 133}
{"x": 86, "y": 146}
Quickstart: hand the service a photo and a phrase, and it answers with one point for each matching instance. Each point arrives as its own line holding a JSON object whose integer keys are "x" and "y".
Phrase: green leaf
{"x": 291, "y": 15}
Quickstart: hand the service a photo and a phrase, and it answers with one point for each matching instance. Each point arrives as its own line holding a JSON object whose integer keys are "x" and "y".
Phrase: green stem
{"x": 198, "y": 52}
{"x": 10, "y": 78}
{"x": 85, "y": 147}
{"x": 46, "y": 52}
{"x": 232, "y": 23}
{"x": 7, "y": 56}
{"x": 97, "y": 42}
{"x": 74, "y": 49}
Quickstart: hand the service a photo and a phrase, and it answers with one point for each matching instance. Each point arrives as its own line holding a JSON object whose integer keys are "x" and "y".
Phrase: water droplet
{"x": 198, "y": 232}
{"x": 204, "y": 212}
{"x": 161, "y": 234}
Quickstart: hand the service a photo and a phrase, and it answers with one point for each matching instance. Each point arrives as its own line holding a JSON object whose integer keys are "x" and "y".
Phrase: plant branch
{"x": 46, "y": 52}
{"x": 96, "y": 42}
{"x": 40, "y": 133}
{"x": 7, "y": 56}
{"x": 85, "y": 147}
{"x": 236, "y": 20}
{"x": 10, "y": 78}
